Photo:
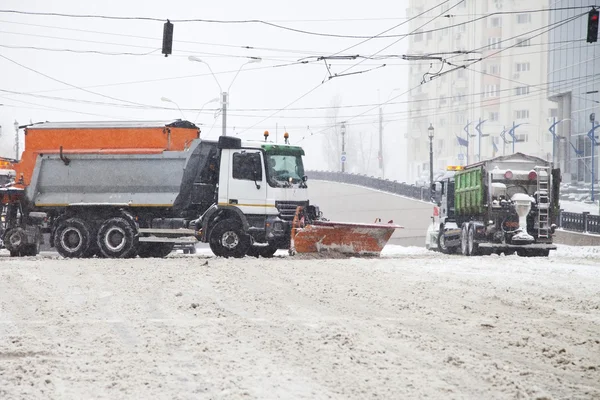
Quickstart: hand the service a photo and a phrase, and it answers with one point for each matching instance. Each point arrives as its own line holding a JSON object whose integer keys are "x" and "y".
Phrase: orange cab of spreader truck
{"x": 121, "y": 137}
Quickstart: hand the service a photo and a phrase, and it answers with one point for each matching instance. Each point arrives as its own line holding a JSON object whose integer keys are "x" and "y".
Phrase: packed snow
{"x": 411, "y": 324}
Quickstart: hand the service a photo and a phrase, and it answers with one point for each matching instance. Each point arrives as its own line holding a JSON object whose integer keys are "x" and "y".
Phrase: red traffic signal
{"x": 592, "y": 31}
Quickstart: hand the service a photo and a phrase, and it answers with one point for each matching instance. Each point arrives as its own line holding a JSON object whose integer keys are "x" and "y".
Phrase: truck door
{"x": 244, "y": 181}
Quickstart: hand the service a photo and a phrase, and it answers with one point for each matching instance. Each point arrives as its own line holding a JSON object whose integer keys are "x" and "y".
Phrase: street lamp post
{"x": 430, "y": 134}
{"x": 225, "y": 95}
{"x": 216, "y": 99}
{"x": 594, "y": 143}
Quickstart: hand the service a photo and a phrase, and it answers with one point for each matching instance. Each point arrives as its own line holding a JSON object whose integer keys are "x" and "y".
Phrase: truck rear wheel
{"x": 473, "y": 248}
{"x": 117, "y": 238}
{"x": 15, "y": 240}
{"x": 227, "y": 239}
{"x": 72, "y": 238}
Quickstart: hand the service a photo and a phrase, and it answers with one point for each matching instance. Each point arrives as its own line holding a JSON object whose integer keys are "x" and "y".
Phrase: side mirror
{"x": 304, "y": 178}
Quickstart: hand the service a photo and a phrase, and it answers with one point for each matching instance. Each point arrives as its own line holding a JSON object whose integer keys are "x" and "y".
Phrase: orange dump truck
{"x": 129, "y": 137}
{"x": 127, "y": 189}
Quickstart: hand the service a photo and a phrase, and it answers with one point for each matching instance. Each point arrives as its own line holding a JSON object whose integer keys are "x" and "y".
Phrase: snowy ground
{"x": 411, "y": 324}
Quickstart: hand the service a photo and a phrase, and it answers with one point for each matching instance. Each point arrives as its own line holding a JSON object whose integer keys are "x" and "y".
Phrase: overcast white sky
{"x": 256, "y": 94}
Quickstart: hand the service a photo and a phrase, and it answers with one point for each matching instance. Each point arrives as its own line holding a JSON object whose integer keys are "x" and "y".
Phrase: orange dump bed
{"x": 128, "y": 137}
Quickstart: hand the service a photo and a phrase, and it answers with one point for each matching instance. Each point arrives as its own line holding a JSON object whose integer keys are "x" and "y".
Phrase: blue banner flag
{"x": 462, "y": 142}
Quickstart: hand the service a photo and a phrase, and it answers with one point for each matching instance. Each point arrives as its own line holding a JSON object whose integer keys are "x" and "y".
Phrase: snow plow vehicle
{"x": 158, "y": 185}
{"x": 503, "y": 205}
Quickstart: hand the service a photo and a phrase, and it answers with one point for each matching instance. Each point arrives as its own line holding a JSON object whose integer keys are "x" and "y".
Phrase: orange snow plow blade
{"x": 340, "y": 237}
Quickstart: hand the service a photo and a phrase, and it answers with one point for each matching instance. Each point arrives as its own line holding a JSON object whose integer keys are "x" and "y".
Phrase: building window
{"x": 494, "y": 116}
{"x": 459, "y": 97}
{"x": 522, "y": 67}
{"x": 522, "y": 137}
{"x": 429, "y": 35}
{"x": 442, "y": 101}
{"x": 492, "y": 91}
{"x": 494, "y": 43}
{"x": 496, "y": 22}
{"x": 460, "y": 73}
{"x": 442, "y": 122}
{"x": 523, "y": 18}
{"x": 495, "y": 69}
{"x": 521, "y": 90}
{"x": 521, "y": 114}
{"x": 418, "y": 36}
{"x": 523, "y": 42}
{"x": 460, "y": 118}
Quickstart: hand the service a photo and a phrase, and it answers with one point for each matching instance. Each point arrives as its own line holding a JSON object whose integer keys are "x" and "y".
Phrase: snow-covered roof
{"x": 111, "y": 124}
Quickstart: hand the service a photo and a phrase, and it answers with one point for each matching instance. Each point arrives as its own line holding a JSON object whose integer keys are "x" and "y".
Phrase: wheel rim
{"x": 463, "y": 241}
{"x": 71, "y": 239}
{"x": 15, "y": 240}
{"x": 442, "y": 241}
{"x": 230, "y": 240}
{"x": 471, "y": 240}
{"x": 114, "y": 239}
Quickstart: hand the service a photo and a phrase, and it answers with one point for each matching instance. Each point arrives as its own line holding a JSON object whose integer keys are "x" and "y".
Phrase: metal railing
{"x": 566, "y": 220}
{"x": 412, "y": 191}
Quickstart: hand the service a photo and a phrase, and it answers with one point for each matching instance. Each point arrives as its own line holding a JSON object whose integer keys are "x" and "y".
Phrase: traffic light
{"x": 592, "y": 32}
{"x": 167, "y": 46}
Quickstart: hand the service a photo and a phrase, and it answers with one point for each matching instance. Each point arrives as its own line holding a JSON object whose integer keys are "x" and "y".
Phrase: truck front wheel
{"x": 117, "y": 238}
{"x": 228, "y": 239}
{"x": 72, "y": 238}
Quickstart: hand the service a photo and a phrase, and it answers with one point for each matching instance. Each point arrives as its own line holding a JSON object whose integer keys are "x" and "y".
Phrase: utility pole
{"x": 343, "y": 158}
{"x": 16, "y": 140}
{"x": 592, "y": 137}
{"x": 224, "y": 104}
{"x": 380, "y": 156}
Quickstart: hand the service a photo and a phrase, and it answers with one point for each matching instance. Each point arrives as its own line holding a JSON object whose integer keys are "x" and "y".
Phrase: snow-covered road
{"x": 411, "y": 324}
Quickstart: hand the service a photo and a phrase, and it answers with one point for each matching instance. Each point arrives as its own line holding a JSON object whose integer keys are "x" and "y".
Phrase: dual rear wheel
{"x": 115, "y": 238}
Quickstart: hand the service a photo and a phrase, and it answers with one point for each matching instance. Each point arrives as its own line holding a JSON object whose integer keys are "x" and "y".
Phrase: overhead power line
{"x": 254, "y": 21}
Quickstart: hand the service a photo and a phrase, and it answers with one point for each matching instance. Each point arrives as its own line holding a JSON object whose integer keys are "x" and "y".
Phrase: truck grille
{"x": 287, "y": 209}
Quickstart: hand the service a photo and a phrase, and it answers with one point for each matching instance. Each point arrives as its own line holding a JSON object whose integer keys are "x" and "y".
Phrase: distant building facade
{"x": 574, "y": 75}
{"x": 507, "y": 88}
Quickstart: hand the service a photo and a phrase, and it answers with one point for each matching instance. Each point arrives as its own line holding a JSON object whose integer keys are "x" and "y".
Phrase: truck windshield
{"x": 282, "y": 167}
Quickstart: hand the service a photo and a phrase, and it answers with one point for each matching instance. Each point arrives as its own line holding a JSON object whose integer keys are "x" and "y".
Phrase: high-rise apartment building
{"x": 483, "y": 64}
{"x": 574, "y": 75}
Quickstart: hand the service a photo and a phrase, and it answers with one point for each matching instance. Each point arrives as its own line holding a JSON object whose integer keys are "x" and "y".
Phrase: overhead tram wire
{"x": 396, "y": 41}
{"x": 390, "y": 29}
{"x": 69, "y": 84}
{"x": 549, "y": 27}
{"x": 99, "y": 103}
{"x": 298, "y": 99}
{"x": 452, "y": 108}
{"x": 249, "y": 21}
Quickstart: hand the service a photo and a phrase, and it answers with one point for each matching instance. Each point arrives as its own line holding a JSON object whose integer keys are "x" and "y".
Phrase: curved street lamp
{"x": 224, "y": 95}
{"x": 167, "y": 100}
